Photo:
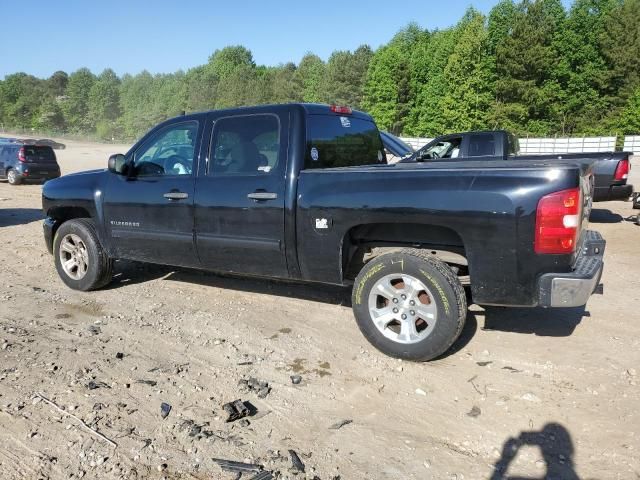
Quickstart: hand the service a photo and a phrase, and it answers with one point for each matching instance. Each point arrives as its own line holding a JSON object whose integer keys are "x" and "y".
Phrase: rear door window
{"x": 38, "y": 154}
{"x": 342, "y": 141}
{"x": 245, "y": 145}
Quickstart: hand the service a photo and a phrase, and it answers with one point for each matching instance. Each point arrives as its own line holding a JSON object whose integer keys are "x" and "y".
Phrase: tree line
{"x": 531, "y": 66}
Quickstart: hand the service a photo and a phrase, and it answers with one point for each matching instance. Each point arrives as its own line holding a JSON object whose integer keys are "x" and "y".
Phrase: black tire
{"x": 12, "y": 177}
{"x": 446, "y": 292}
{"x": 99, "y": 266}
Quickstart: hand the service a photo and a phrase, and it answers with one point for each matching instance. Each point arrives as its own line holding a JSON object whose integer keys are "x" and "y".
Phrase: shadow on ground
{"x": 128, "y": 273}
{"x": 10, "y": 217}
{"x": 603, "y": 215}
{"x": 555, "y": 446}
{"x": 544, "y": 322}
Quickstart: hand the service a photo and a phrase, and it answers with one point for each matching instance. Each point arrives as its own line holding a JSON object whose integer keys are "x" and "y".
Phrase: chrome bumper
{"x": 574, "y": 288}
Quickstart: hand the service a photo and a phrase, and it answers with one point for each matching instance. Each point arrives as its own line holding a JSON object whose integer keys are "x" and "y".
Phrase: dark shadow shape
{"x": 10, "y": 217}
{"x": 253, "y": 410}
{"x": 130, "y": 272}
{"x": 557, "y": 451}
{"x": 544, "y": 322}
{"x": 602, "y": 215}
{"x": 315, "y": 292}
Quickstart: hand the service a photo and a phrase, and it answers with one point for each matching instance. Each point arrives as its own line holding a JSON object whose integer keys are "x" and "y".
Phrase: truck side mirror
{"x": 117, "y": 163}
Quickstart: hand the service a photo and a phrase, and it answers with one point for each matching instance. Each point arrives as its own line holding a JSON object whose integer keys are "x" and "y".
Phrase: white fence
{"x": 416, "y": 142}
{"x": 558, "y": 145}
{"x": 632, "y": 144}
{"x": 567, "y": 145}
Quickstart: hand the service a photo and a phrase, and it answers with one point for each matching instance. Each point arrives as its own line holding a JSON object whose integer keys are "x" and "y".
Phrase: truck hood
{"x": 86, "y": 172}
{"x": 70, "y": 189}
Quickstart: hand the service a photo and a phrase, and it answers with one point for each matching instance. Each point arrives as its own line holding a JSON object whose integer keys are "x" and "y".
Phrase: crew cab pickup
{"x": 610, "y": 169}
{"x": 303, "y": 192}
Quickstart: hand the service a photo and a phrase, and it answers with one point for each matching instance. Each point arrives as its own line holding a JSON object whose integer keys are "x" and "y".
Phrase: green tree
{"x": 620, "y": 44}
{"x": 135, "y": 101}
{"x": 388, "y": 93}
{"x": 76, "y": 103}
{"x": 629, "y": 120}
{"x": 581, "y": 67}
{"x": 49, "y": 117}
{"x": 57, "y": 83}
{"x": 104, "y": 99}
{"x": 309, "y": 75}
{"x": 345, "y": 76}
{"x": 22, "y": 96}
{"x": 467, "y": 76}
{"x": 225, "y": 62}
{"x": 200, "y": 89}
{"x": 284, "y": 85}
{"x": 527, "y": 91}
{"x": 425, "y": 116}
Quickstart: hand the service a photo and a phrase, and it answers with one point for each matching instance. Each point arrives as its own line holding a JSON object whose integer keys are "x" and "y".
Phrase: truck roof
{"x": 309, "y": 109}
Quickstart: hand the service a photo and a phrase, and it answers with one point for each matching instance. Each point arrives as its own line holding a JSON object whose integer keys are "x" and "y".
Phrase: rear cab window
{"x": 482, "y": 145}
{"x": 342, "y": 141}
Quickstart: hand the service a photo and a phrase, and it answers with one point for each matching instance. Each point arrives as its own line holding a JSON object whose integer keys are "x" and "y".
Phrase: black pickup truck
{"x": 610, "y": 169}
{"x": 303, "y": 192}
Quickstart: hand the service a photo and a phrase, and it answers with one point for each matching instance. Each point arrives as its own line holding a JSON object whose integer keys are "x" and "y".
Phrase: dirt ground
{"x": 523, "y": 393}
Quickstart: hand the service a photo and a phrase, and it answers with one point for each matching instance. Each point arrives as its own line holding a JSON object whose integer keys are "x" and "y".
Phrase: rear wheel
{"x": 12, "y": 177}
{"x": 80, "y": 260}
{"x": 409, "y": 305}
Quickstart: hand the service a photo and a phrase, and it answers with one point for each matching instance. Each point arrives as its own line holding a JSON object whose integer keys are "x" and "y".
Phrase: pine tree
{"x": 467, "y": 76}
{"x": 527, "y": 93}
{"x": 345, "y": 75}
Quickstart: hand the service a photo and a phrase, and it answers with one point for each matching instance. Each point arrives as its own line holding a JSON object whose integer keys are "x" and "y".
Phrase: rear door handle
{"x": 176, "y": 195}
{"x": 262, "y": 196}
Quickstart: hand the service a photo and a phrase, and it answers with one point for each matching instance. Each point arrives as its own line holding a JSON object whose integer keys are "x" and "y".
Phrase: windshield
{"x": 342, "y": 141}
{"x": 446, "y": 148}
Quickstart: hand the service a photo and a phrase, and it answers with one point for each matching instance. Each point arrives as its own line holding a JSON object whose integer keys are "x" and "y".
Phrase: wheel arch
{"x": 364, "y": 242}
{"x": 59, "y": 215}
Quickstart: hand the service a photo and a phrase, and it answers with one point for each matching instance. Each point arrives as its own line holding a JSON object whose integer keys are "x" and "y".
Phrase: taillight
{"x": 341, "y": 109}
{"x": 558, "y": 222}
{"x": 622, "y": 170}
{"x": 21, "y": 155}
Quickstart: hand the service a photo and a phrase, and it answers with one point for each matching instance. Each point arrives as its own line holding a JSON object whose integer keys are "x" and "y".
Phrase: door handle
{"x": 262, "y": 196}
{"x": 176, "y": 195}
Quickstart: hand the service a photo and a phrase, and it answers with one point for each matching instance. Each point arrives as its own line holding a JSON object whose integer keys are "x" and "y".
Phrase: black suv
{"x": 28, "y": 162}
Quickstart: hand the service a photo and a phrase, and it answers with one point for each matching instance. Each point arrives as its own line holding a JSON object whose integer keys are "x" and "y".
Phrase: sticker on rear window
{"x": 314, "y": 154}
{"x": 380, "y": 156}
{"x": 346, "y": 123}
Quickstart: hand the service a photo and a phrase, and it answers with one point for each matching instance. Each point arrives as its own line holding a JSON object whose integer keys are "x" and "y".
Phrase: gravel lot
{"x": 527, "y": 392}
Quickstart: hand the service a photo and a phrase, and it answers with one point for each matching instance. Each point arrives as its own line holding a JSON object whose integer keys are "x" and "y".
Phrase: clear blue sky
{"x": 42, "y": 36}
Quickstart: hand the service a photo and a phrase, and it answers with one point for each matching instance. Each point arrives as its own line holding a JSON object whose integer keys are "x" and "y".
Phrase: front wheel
{"x": 80, "y": 260}
{"x": 409, "y": 305}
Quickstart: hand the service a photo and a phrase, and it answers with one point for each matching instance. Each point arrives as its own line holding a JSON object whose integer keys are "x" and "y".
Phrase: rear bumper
{"x": 35, "y": 172}
{"x": 574, "y": 288}
{"x": 614, "y": 192}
